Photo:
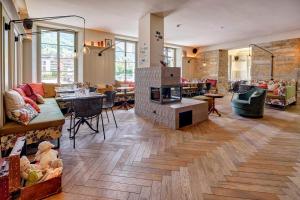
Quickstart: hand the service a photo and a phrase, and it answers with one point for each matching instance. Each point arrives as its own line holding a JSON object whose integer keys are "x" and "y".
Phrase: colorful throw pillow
{"x": 13, "y": 101}
{"x": 263, "y": 85}
{"x": 40, "y": 99}
{"x": 37, "y": 88}
{"x": 20, "y": 91}
{"x": 212, "y": 82}
{"x": 28, "y": 91}
{"x": 49, "y": 89}
{"x": 32, "y": 103}
{"x": 24, "y": 115}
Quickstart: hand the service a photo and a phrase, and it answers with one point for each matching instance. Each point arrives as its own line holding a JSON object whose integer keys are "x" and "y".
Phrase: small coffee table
{"x": 213, "y": 108}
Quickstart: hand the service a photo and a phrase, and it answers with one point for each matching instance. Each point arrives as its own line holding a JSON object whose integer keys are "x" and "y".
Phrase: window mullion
{"x": 125, "y": 52}
{"x": 58, "y": 57}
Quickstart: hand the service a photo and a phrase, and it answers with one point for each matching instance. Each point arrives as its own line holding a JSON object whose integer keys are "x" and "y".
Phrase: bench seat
{"x": 46, "y": 126}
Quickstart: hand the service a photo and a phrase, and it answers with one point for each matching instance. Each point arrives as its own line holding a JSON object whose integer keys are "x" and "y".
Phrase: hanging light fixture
{"x": 204, "y": 63}
{"x": 28, "y": 24}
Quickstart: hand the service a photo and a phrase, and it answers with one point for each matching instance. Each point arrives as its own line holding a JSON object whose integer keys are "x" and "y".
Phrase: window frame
{"x": 126, "y": 62}
{"x": 166, "y": 56}
{"x": 39, "y": 54}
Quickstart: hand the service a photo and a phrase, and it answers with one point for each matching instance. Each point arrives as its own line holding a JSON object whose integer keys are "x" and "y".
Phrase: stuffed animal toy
{"x": 45, "y": 155}
{"x": 29, "y": 172}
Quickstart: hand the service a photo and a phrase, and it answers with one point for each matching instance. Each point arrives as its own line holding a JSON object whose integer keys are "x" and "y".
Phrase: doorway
{"x": 239, "y": 64}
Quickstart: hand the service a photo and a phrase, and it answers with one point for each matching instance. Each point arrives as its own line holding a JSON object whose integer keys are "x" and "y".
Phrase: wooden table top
{"x": 125, "y": 88}
{"x": 214, "y": 95}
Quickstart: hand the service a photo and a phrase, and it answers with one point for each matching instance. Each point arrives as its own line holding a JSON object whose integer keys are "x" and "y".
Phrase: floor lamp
{"x": 272, "y": 57}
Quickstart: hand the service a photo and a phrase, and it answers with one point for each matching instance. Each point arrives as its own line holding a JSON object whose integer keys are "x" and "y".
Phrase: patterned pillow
{"x": 24, "y": 115}
{"x": 40, "y": 99}
{"x": 32, "y": 103}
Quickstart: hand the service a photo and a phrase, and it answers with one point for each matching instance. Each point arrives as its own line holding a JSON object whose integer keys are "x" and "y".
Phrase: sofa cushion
{"x": 32, "y": 103}
{"x": 28, "y": 91}
{"x": 24, "y": 115}
{"x": 13, "y": 101}
{"x": 49, "y": 89}
{"x": 50, "y": 116}
{"x": 40, "y": 99}
{"x": 20, "y": 91}
{"x": 37, "y": 88}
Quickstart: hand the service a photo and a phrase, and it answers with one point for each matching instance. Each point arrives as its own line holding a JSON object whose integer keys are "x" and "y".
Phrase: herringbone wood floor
{"x": 224, "y": 158}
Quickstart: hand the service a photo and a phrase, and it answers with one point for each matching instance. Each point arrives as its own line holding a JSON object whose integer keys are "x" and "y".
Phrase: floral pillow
{"x": 24, "y": 115}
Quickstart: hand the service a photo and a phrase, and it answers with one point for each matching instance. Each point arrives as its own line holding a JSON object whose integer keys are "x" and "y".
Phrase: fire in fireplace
{"x": 166, "y": 94}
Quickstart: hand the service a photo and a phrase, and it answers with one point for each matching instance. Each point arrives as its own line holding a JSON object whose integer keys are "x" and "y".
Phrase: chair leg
{"x": 97, "y": 123}
{"x": 102, "y": 126}
{"x": 107, "y": 115}
{"x": 112, "y": 111}
{"x": 78, "y": 124}
{"x": 70, "y": 130}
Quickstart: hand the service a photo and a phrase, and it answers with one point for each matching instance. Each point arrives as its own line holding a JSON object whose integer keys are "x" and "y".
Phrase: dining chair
{"x": 85, "y": 109}
{"x": 109, "y": 104}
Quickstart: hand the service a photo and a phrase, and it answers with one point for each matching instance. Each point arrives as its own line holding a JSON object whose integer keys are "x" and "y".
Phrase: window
{"x": 57, "y": 56}
{"x": 125, "y": 60}
{"x": 170, "y": 57}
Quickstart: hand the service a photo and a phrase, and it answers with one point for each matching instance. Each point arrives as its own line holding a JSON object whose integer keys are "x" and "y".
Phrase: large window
{"x": 170, "y": 56}
{"x": 125, "y": 60}
{"x": 57, "y": 56}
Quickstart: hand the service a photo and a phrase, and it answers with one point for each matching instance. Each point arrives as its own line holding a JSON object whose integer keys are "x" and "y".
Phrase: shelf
{"x": 95, "y": 47}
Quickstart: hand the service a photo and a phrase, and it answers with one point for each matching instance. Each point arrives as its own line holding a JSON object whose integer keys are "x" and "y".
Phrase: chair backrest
{"x": 92, "y": 89}
{"x": 213, "y": 82}
{"x": 110, "y": 97}
{"x": 236, "y": 86}
{"x": 208, "y": 86}
{"x": 87, "y": 107}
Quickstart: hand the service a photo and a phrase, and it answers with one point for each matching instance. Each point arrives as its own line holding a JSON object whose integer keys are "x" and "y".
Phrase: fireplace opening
{"x": 185, "y": 118}
{"x": 166, "y": 94}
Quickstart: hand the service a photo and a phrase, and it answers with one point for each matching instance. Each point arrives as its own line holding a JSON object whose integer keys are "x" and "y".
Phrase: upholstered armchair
{"x": 250, "y": 103}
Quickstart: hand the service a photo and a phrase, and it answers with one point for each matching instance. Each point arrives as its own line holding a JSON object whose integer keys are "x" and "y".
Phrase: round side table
{"x": 213, "y": 108}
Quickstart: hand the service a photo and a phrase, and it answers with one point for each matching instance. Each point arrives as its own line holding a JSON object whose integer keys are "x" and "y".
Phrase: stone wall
{"x": 286, "y": 60}
{"x": 216, "y": 67}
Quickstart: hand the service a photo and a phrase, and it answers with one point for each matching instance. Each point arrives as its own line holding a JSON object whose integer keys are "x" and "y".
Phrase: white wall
{"x": 99, "y": 69}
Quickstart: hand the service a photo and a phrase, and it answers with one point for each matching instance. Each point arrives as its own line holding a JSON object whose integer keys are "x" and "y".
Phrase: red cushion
{"x": 28, "y": 91}
{"x": 32, "y": 103}
{"x": 20, "y": 91}
{"x": 37, "y": 88}
{"x": 263, "y": 86}
{"x": 212, "y": 82}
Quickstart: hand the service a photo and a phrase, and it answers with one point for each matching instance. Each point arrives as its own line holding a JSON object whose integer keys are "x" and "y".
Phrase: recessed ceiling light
{"x": 222, "y": 27}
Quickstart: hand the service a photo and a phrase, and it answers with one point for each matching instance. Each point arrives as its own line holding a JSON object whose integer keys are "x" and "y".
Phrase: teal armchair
{"x": 250, "y": 103}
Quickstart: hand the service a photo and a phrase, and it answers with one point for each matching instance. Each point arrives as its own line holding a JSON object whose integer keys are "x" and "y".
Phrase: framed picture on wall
{"x": 108, "y": 42}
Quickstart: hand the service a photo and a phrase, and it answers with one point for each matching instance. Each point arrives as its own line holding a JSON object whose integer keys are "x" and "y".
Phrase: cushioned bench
{"x": 46, "y": 126}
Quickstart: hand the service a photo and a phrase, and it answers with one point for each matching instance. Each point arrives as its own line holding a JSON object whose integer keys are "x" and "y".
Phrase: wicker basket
{"x": 33, "y": 192}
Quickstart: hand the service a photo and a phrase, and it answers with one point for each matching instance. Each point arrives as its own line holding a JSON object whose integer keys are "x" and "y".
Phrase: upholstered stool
{"x": 204, "y": 98}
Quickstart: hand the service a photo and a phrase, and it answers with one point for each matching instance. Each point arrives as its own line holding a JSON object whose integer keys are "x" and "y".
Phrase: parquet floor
{"x": 224, "y": 158}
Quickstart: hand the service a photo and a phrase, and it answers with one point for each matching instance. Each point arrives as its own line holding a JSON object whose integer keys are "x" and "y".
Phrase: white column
{"x": 151, "y": 41}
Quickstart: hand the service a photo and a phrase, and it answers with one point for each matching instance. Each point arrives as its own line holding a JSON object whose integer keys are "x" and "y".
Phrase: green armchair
{"x": 250, "y": 104}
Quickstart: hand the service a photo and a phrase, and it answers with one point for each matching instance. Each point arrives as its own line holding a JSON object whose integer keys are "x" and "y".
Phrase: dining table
{"x": 125, "y": 103}
{"x": 68, "y": 98}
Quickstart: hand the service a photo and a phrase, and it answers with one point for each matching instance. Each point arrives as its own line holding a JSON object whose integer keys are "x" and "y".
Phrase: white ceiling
{"x": 201, "y": 20}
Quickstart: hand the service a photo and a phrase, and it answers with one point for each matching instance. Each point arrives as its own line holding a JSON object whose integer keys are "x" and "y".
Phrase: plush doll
{"x": 45, "y": 155}
{"x": 29, "y": 172}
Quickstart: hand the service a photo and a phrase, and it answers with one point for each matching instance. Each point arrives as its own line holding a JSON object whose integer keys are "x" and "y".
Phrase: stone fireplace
{"x": 157, "y": 88}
